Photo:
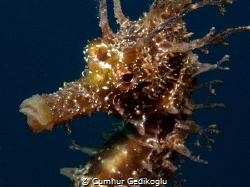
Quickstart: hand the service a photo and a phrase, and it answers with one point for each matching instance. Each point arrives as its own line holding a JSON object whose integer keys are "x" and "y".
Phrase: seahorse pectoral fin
{"x": 45, "y": 111}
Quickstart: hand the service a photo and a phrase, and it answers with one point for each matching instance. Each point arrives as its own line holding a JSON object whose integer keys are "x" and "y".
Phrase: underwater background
{"x": 41, "y": 46}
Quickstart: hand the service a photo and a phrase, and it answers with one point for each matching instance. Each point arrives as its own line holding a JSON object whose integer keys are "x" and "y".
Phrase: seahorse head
{"x": 127, "y": 72}
{"x": 146, "y": 68}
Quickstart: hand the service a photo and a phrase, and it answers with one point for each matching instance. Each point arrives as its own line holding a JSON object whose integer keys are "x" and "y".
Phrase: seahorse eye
{"x": 128, "y": 77}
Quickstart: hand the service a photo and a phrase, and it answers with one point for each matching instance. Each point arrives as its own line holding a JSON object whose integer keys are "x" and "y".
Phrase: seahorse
{"x": 145, "y": 73}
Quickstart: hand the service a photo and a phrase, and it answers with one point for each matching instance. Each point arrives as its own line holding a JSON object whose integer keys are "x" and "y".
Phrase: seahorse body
{"x": 145, "y": 74}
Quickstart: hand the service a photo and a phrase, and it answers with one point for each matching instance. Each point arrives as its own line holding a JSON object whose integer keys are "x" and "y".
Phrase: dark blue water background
{"x": 41, "y": 47}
